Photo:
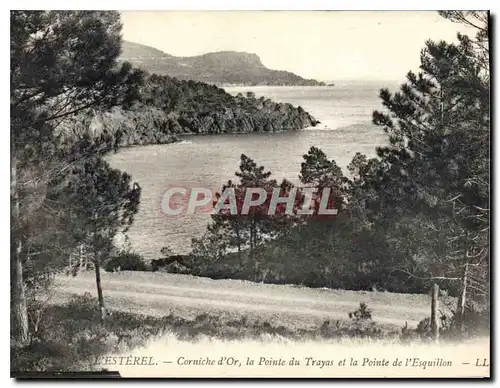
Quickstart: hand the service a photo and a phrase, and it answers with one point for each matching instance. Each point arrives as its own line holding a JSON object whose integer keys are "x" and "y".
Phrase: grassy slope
{"x": 185, "y": 296}
{"x": 158, "y": 314}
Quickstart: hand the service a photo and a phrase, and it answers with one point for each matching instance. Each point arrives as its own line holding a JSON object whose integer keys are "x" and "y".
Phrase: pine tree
{"x": 320, "y": 173}
{"x": 62, "y": 63}
{"x": 231, "y": 228}
{"x": 432, "y": 182}
{"x": 101, "y": 202}
{"x": 317, "y": 170}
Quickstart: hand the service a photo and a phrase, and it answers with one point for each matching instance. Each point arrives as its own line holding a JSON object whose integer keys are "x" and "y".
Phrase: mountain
{"x": 223, "y": 67}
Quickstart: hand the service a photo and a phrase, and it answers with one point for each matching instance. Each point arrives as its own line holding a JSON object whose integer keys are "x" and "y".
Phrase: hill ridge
{"x": 220, "y": 67}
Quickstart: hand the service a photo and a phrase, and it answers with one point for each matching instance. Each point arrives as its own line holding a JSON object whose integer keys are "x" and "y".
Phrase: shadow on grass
{"x": 71, "y": 336}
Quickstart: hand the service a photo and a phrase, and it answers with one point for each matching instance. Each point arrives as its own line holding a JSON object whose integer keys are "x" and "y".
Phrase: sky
{"x": 325, "y": 45}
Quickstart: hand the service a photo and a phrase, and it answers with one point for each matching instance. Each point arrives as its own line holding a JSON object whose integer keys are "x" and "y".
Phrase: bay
{"x": 344, "y": 111}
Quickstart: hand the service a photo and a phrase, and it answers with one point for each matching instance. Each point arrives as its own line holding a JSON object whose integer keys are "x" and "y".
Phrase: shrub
{"x": 475, "y": 322}
{"x": 408, "y": 335}
{"x": 361, "y": 325}
{"x": 83, "y": 307}
{"x": 173, "y": 264}
{"x": 125, "y": 261}
{"x": 361, "y": 314}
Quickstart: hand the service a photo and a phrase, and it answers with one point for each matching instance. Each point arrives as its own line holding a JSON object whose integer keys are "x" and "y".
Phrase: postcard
{"x": 233, "y": 194}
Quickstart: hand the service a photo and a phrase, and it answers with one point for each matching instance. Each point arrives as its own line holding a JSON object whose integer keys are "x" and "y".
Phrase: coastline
{"x": 177, "y": 137}
{"x": 271, "y": 86}
{"x": 239, "y": 132}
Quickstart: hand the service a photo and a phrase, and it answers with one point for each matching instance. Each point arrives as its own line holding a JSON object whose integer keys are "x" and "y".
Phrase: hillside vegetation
{"x": 167, "y": 107}
{"x": 224, "y": 67}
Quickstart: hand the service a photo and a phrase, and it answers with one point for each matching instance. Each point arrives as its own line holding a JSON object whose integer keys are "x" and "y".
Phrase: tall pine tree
{"x": 62, "y": 63}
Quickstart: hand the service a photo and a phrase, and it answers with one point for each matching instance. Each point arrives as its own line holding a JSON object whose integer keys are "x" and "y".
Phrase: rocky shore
{"x": 169, "y": 107}
{"x": 145, "y": 125}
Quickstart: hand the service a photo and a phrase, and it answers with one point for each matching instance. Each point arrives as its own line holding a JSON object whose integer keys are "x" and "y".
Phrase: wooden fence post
{"x": 434, "y": 313}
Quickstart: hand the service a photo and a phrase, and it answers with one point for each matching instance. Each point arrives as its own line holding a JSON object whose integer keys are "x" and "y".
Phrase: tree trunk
{"x": 253, "y": 262}
{"x": 460, "y": 311}
{"x": 238, "y": 242}
{"x": 99, "y": 289}
{"x": 462, "y": 300}
{"x": 251, "y": 238}
{"x": 434, "y": 313}
{"x": 18, "y": 298}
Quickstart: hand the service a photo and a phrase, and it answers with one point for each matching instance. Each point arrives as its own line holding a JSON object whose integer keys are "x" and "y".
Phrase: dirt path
{"x": 187, "y": 296}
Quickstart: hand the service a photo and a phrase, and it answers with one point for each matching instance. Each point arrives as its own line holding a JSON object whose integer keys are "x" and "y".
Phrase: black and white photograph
{"x": 250, "y": 194}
